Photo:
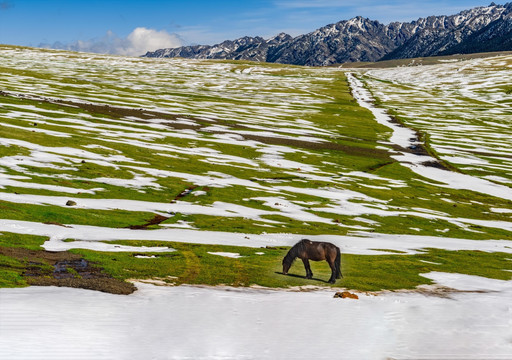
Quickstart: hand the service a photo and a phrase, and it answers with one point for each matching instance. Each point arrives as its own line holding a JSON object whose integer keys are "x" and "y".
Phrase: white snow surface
{"x": 188, "y": 322}
{"x": 226, "y": 254}
{"x": 93, "y": 237}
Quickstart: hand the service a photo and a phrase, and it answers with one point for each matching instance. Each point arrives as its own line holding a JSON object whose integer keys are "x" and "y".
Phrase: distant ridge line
{"x": 480, "y": 29}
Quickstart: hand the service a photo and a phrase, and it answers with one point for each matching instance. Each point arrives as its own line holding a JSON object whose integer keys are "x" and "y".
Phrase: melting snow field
{"x": 226, "y": 323}
{"x": 241, "y": 138}
{"x": 224, "y": 152}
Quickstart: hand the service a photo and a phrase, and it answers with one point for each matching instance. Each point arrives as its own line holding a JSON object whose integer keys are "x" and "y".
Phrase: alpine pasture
{"x": 189, "y": 172}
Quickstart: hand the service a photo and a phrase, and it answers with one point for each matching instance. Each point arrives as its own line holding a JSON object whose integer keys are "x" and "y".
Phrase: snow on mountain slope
{"x": 361, "y": 39}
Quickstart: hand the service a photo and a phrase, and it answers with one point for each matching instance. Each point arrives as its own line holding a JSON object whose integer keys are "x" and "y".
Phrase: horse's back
{"x": 317, "y": 250}
{"x": 326, "y": 246}
{"x": 331, "y": 250}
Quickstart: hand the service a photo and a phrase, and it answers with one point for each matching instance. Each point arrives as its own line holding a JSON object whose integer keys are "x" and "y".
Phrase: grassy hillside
{"x": 117, "y": 142}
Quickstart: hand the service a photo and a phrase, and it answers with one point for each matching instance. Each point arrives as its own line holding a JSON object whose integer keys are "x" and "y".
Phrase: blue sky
{"x": 89, "y": 23}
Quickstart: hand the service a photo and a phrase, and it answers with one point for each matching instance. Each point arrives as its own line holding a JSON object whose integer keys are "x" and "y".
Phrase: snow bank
{"x": 216, "y": 323}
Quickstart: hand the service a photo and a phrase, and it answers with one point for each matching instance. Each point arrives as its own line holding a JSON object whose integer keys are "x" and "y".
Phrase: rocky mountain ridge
{"x": 486, "y": 28}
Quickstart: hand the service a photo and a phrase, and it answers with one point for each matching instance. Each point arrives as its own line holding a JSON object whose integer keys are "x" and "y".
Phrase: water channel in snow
{"x": 406, "y": 140}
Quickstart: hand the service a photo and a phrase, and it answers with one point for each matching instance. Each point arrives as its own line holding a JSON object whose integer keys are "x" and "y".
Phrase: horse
{"x": 316, "y": 251}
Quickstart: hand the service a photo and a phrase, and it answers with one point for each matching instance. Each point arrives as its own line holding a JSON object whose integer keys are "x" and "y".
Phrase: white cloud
{"x": 138, "y": 42}
{"x": 142, "y": 40}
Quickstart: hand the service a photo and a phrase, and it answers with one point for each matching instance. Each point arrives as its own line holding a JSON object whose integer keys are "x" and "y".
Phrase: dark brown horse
{"x": 316, "y": 251}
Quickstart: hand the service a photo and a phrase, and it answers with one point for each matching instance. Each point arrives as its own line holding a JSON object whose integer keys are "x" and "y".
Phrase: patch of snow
{"x": 430, "y": 262}
{"x": 6, "y": 181}
{"x": 501, "y": 210}
{"x": 226, "y": 254}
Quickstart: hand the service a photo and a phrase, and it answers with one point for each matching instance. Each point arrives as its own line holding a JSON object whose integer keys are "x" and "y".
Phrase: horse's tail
{"x": 337, "y": 264}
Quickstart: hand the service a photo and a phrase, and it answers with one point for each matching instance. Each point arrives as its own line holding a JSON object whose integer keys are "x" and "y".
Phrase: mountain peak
{"x": 280, "y": 37}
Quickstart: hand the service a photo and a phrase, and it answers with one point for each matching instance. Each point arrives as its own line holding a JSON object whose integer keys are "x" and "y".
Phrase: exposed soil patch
{"x": 143, "y": 114}
{"x": 118, "y": 112}
{"x": 185, "y": 192}
{"x": 434, "y": 164}
{"x": 379, "y": 166}
{"x": 62, "y": 268}
{"x": 115, "y": 112}
{"x": 157, "y": 219}
{"x": 56, "y": 223}
{"x": 352, "y": 150}
{"x": 154, "y": 221}
{"x": 419, "y": 148}
{"x": 277, "y": 247}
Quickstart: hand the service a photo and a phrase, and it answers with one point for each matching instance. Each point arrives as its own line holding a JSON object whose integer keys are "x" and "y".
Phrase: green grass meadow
{"x": 287, "y": 143}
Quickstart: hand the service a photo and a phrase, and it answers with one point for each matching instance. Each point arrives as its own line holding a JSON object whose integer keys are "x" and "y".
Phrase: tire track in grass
{"x": 242, "y": 275}
{"x": 192, "y": 266}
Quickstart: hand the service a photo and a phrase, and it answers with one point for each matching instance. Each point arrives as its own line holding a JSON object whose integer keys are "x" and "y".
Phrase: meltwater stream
{"x": 407, "y": 139}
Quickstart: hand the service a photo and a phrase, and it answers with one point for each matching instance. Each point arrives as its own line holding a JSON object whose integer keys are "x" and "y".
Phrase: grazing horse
{"x": 316, "y": 251}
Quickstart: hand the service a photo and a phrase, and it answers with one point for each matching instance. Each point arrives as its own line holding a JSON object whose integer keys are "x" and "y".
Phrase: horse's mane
{"x": 294, "y": 252}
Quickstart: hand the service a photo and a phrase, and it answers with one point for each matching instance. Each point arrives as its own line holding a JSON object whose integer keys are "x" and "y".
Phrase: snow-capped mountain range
{"x": 481, "y": 29}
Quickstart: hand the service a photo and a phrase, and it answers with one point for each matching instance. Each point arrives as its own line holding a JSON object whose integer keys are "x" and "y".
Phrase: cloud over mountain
{"x": 138, "y": 42}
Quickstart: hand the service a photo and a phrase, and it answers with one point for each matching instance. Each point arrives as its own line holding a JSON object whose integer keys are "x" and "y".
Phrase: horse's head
{"x": 290, "y": 257}
{"x": 286, "y": 267}
{"x": 287, "y": 263}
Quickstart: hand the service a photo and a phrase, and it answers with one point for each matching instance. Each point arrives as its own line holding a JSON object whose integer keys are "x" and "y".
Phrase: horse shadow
{"x": 301, "y": 277}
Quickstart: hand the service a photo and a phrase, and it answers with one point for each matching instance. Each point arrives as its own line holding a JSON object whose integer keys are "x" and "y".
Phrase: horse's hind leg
{"x": 332, "y": 280}
{"x": 309, "y": 273}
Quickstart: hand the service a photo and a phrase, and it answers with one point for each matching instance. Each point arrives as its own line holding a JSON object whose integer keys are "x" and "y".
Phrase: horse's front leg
{"x": 309, "y": 273}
